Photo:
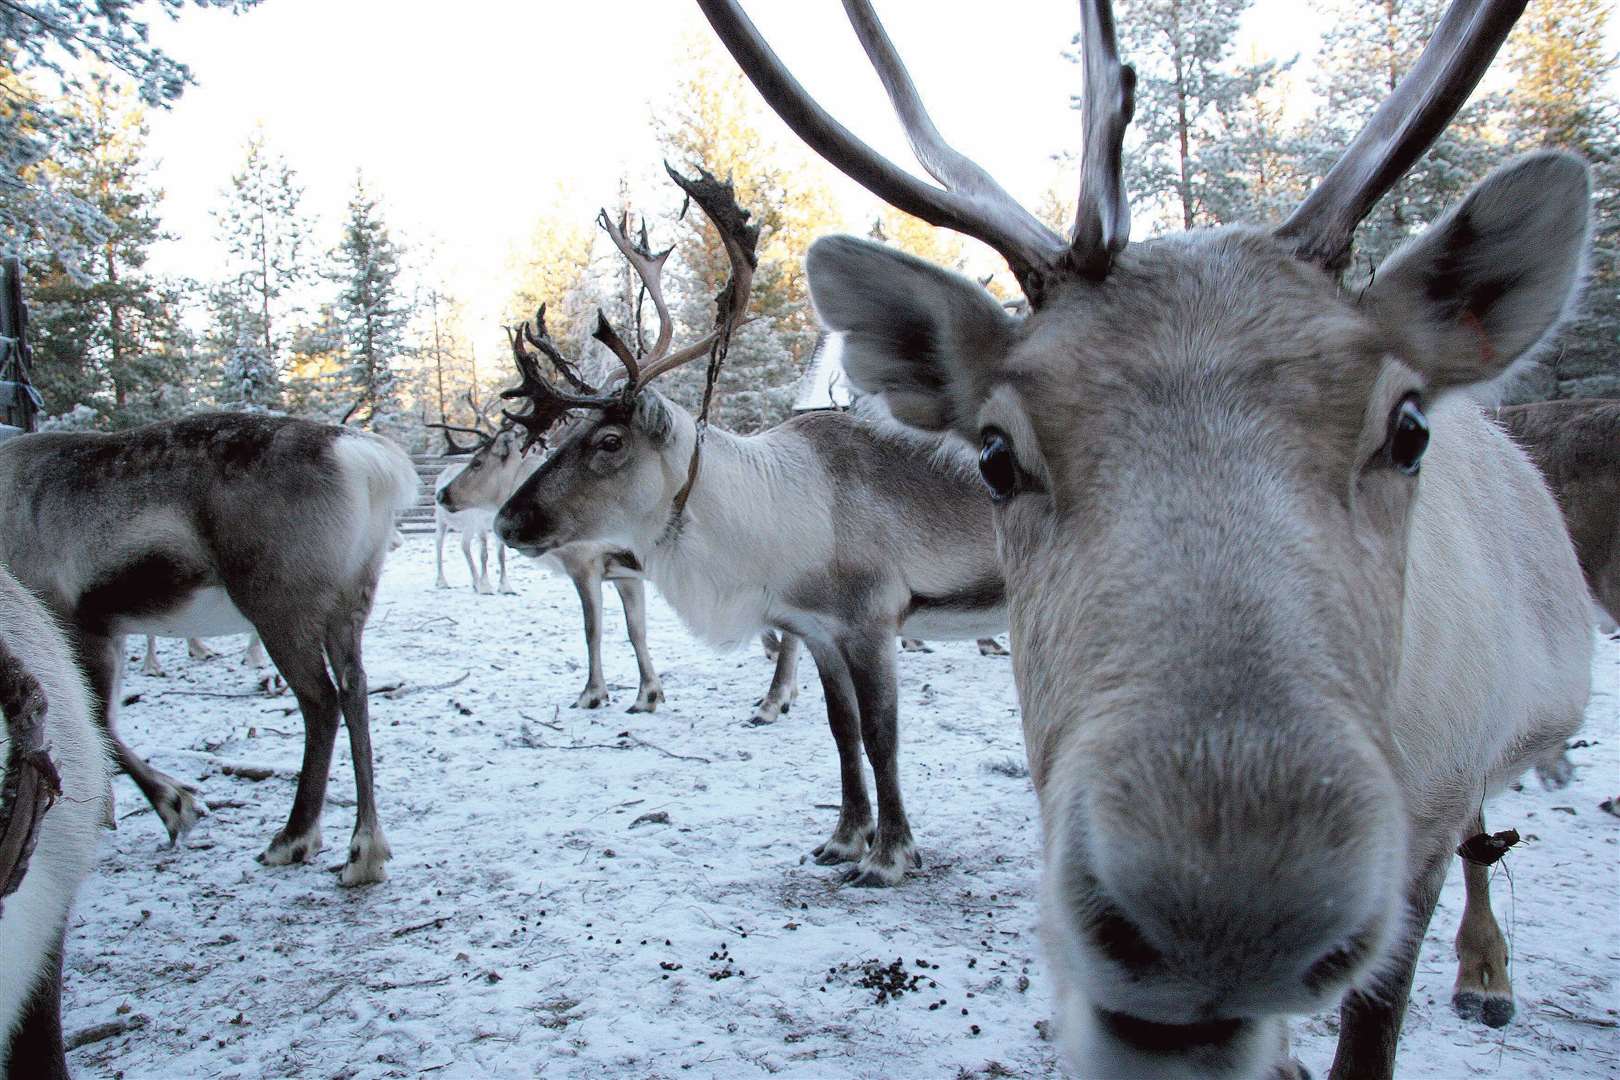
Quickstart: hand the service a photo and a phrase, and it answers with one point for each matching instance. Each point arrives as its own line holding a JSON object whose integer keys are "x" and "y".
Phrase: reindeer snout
{"x": 444, "y": 499}
{"x": 526, "y": 528}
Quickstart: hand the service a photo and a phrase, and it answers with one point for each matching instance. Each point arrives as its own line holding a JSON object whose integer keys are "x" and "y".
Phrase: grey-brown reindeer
{"x": 1285, "y": 606}
{"x": 825, "y": 527}
{"x": 498, "y": 466}
{"x": 219, "y": 523}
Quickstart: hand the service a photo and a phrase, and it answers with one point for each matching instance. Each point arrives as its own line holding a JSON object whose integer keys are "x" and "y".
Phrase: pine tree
{"x": 1561, "y": 99}
{"x": 248, "y": 379}
{"x": 107, "y": 334}
{"x": 1187, "y": 166}
{"x": 265, "y": 234}
{"x": 372, "y": 309}
{"x": 55, "y": 56}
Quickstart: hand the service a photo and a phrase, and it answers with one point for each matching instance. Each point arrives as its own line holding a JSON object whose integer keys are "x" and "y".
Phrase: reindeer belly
{"x": 205, "y": 612}
{"x": 978, "y": 611}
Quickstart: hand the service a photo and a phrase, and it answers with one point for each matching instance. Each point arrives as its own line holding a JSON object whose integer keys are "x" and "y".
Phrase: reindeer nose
{"x": 442, "y": 497}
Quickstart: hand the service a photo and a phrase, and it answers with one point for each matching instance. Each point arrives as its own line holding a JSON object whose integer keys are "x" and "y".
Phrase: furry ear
{"x": 1491, "y": 280}
{"x": 924, "y": 338}
{"x": 652, "y": 417}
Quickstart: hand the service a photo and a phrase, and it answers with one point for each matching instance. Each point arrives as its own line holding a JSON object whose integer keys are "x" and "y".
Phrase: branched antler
{"x": 548, "y": 403}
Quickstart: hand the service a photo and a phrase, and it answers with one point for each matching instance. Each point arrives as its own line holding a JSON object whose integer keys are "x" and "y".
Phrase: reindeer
{"x": 55, "y": 796}
{"x": 219, "y": 523}
{"x": 499, "y": 465}
{"x": 890, "y": 532}
{"x": 1576, "y": 444}
{"x": 1285, "y": 606}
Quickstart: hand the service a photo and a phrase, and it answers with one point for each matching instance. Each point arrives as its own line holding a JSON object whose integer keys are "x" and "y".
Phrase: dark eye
{"x": 611, "y": 443}
{"x": 1408, "y": 435}
{"x": 998, "y": 466}
{"x": 477, "y": 463}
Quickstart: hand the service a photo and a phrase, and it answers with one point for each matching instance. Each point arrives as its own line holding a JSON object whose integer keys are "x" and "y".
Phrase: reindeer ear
{"x": 924, "y": 338}
{"x": 1491, "y": 280}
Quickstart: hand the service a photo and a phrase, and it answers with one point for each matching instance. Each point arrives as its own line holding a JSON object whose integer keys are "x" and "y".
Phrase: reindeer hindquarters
{"x": 853, "y": 832}
{"x": 176, "y": 804}
{"x": 1370, "y": 1020}
{"x": 633, "y": 595}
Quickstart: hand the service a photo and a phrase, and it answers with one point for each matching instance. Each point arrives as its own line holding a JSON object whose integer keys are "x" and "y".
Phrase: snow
{"x": 531, "y": 927}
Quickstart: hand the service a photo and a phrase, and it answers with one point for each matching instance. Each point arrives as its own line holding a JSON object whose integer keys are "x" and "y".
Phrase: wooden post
{"x": 21, "y": 406}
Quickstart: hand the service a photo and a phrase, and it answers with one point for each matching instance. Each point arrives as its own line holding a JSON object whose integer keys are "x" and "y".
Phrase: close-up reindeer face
{"x": 1206, "y": 457}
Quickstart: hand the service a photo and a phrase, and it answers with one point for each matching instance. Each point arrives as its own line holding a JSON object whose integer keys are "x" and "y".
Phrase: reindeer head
{"x": 624, "y": 459}
{"x": 1205, "y": 456}
{"x": 497, "y": 465}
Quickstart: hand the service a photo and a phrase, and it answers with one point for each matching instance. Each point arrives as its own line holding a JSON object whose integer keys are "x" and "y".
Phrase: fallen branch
{"x": 102, "y": 1032}
{"x": 399, "y": 690}
{"x": 378, "y": 988}
{"x": 434, "y": 923}
{"x": 667, "y": 753}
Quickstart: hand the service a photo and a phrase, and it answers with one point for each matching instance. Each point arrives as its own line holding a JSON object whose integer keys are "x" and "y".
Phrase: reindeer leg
{"x": 771, "y": 642}
{"x": 198, "y": 649}
{"x": 854, "y": 829}
{"x": 872, "y": 668}
{"x": 1370, "y": 1022}
{"x": 784, "y": 689}
{"x": 633, "y": 595}
{"x": 484, "y": 587}
{"x": 587, "y": 578}
{"x": 35, "y": 1048}
{"x": 368, "y": 850}
{"x": 1483, "y": 991}
{"x": 438, "y": 553}
{"x": 989, "y": 646}
{"x": 150, "y": 665}
{"x": 911, "y": 644}
{"x": 297, "y": 652}
{"x": 176, "y": 803}
{"x": 506, "y": 586}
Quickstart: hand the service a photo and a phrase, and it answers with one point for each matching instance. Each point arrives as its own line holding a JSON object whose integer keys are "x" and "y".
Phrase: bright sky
{"x": 471, "y": 119}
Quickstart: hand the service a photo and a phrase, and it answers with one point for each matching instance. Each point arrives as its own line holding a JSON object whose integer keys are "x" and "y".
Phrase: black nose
{"x": 442, "y": 497}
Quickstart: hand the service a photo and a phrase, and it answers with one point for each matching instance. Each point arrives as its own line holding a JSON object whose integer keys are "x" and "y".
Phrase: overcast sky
{"x": 470, "y": 119}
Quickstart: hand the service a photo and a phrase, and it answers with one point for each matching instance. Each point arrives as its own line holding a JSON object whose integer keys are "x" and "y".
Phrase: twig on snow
{"x": 434, "y": 923}
{"x": 102, "y": 1032}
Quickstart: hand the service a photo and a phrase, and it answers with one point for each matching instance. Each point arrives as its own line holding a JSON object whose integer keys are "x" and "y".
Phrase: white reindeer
{"x": 474, "y": 523}
{"x": 1285, "y": 606}
{"x": 55, "y": 798}
{"x": 827, "y": 528}
{"x": 219, "y": 523}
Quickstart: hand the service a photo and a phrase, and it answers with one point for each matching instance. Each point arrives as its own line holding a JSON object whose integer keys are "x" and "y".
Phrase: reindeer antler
{"x": 548, "y": 403}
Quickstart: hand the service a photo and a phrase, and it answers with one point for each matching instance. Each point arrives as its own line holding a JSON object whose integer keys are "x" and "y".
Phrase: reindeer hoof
{"x": 591, "y": 699}
{"x": 180, "y": 808}
{"x": 1556, "y": 772}
{"x": 368, "y": 852}
{"x": 441, "y": 584}
{"x": 1492, "y": 1010}
{"x": 647, "y": 701}
{"x": 285, "y": 850}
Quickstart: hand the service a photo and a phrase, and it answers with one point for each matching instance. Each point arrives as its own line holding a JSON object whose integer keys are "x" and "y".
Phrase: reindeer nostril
{"x": 1121, "y": 941}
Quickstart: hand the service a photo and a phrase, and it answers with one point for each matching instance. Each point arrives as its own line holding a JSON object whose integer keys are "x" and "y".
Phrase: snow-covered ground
{"x": 594, "y": 894}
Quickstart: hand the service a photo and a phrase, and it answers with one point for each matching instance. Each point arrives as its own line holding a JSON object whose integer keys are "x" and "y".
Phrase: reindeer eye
{"x": 610, "y": 442}
{"x": 1408, "y": 435}
{"x": 997, "y": 465}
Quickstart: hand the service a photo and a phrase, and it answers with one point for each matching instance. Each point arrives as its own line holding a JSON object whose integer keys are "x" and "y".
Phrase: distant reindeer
{"x": 1285, "y": 606}
{"x": 219, "y": 523}
{"x": 497, "y": 468}
{"x": 1576, "y": 445}
{"x": 825, "y": 527}
{"x": 55, "y": 798}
